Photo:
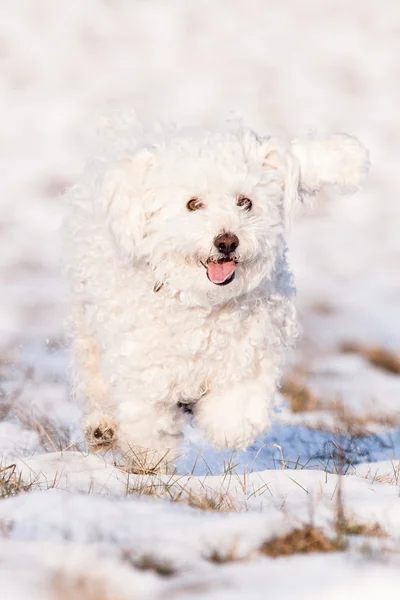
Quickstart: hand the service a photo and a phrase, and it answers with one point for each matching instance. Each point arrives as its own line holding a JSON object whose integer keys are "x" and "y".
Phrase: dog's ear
{"x": 278, "y": 157}
{"x": 339, "y": 160}
{"x": 124, "y": 195}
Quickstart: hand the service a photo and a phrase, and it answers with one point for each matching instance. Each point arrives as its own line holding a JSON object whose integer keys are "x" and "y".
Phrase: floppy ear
{"x": 278, "y": 158}
{"x": 124, "y": 195}
{"x": 339, "y": 160}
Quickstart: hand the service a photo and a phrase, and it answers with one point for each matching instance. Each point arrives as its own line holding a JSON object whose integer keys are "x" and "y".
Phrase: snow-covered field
{"x": 74, "y": 526}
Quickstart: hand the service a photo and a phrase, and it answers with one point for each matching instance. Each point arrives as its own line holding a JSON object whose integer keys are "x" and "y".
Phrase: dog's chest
{"x": 225, "y": 340}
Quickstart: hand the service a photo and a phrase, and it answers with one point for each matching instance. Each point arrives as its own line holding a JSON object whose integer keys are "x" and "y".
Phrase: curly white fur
{"x": 150, "y": 330}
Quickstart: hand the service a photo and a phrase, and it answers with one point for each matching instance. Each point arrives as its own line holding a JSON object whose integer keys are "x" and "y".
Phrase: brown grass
{"x": 144, "y": 461}
{"x": 177, "y": 489}
{"x": 353, "y": 528}
{"x": 206, "y": 499}
{"x": 5, "y": 405}
{"x": 346, "y": 526}
{"x": 309, "y": 539}
{"x": 11, "y": 483}
{"x": 378, "y": 357}
{"x": 299, "y": 396}
{"x": 209, "y": 501}
{"x": 392, "y": 477}
{"x": 302, "y": 400}
{"x": 306, "y": 540}
{"x": 323, "y": 308}
{"x": 219, "y": 558}
{"x": 147, "y": 562}
{"x": 351, "y": 424}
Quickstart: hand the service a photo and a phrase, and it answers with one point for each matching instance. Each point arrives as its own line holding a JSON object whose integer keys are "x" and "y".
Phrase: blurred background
{"x": 286, "y": 68}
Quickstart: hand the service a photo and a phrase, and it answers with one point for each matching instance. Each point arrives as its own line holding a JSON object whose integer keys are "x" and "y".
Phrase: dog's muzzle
{"x": 222, "y": 271}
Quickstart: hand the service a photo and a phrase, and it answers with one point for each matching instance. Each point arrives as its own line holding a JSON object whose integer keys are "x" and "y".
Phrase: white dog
{"x": 181, "y": 291}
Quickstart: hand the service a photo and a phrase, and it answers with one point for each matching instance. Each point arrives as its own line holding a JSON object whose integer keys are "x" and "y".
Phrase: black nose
{"x": 226, "y": 243}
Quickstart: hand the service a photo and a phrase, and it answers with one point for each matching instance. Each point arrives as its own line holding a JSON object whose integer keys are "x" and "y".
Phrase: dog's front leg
{"x": 148, "y": 435}
{"x": 234, "y": 417}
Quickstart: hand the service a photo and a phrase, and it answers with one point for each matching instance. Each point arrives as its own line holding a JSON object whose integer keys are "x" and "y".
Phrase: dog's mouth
{"x": 221, "y": 272}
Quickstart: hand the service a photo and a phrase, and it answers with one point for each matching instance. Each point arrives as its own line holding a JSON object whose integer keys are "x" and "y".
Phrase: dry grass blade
{"x": 273, "y": 445}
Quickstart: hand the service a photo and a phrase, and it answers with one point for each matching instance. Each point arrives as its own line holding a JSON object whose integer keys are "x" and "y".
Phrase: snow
{"x": 116, "y": 529}
{"x": 72, "y": 470}
{"x": 328, "y": 577}
{"x": 66, "y": 570}
{"x": 84, "y": 530}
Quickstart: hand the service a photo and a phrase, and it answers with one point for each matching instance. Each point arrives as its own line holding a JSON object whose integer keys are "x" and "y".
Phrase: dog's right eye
{"x": 194, "y": 204}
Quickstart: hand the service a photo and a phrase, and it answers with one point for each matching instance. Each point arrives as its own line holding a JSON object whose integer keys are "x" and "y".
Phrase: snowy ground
{"x": 86, "y": 530}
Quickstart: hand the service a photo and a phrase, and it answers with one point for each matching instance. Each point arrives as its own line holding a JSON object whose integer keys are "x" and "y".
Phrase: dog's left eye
{"x": 244, "y": 203}
{"x": 194, "y": 204}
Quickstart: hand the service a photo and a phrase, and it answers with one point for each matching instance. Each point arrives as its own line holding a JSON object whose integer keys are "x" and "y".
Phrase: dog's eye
{"x": 194, "y": 204}
{"x": 244, "y": 203}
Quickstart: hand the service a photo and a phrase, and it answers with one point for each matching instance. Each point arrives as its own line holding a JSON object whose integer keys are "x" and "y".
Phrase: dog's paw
{"x": 232, "y": 437}
{"x": 232, "y": 421}
{"x": 102, "y": 435}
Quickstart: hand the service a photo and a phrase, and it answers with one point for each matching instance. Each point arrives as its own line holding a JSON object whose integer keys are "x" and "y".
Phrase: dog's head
{"x": 207, "y": 213}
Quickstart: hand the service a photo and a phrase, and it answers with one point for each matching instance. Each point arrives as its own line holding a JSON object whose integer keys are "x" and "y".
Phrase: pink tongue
{"x": 219, "y": 272}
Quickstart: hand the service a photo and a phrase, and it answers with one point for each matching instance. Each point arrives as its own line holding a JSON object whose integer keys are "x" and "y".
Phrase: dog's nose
{"x": 226, "y": 243}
